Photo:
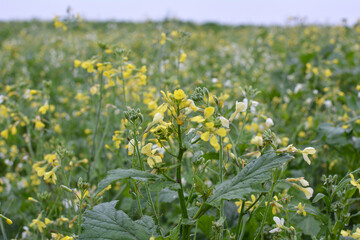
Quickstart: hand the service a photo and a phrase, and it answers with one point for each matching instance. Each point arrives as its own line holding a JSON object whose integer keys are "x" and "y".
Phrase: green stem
{"x": 79, "y": 222}
{"x": 267, "y": 209}
{"x": 138, "y": 198}
{"x": 186, "y": 229}
{"x": 243, "y": 228}
{"x": 190, "y": 195}
{"x": 92, "y": 153}
{"x": 169, "y": 178}
{"x": 123, "y": 84}
{"x": 2, "y": 229}
{"x": 29, "y": 145}
{"x": 221, "y": 212}
{"x": 240, "y": 219}
{"x": 98, "y": 152}
{"x": 146, "y": 186}
{"x": 196, "y": 226}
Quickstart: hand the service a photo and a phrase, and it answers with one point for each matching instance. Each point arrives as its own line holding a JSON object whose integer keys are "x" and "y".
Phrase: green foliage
{"x": 249, "y": 179}
{"x": 104, "y": 222}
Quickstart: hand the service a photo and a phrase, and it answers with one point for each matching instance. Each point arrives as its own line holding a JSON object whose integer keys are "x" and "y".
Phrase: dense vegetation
{"x": 168, "y": 130}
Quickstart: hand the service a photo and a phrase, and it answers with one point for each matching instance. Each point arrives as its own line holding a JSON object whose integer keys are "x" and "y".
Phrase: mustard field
{"x": 172, "y": 130}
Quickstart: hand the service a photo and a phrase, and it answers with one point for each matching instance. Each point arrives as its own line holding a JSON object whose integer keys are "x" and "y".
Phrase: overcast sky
{"x": 221, "y": 11}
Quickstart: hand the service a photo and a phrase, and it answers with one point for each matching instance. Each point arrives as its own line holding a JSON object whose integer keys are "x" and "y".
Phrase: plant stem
{"x": 221, "y": 212}
{"x": 186, "y": 229}
{"x": 240, "y": 219}
{"x": 2, "y": 229}
{"x": 148, "y": 193}
{"x": 267, "y": 208}
{"x": 138, "y": 198}
{"x": 99, "y": 150}
{"x": 79, "y": 221}
{"x": 92, "y": 153}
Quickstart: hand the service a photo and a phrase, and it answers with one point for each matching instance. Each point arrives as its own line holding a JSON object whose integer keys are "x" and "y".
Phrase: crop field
{"x": 172, "y": 130}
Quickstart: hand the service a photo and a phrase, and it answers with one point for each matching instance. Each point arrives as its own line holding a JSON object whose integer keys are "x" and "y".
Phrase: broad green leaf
{"x": 205, "y": 225}
{"x": 254, "y": 173}
{"x": 174, "y": 233}
{"x": 332, "y": 135}
{"x": 119, "y": 174}
{"x": 310, "y": 226}
{"x": 166, "y": 195}
{"x": 104, "y": 222}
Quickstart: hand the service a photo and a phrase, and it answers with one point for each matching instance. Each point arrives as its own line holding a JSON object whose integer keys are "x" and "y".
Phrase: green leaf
{"x": 119, "y": 174}
{"x": 175, "y": 233}
{"x": 104, "y": 222}
{"x": 205, "y": 225}
{"x": 310, "y": 226}
{"x": 166, "y": 195}
{"x": 318, "y": 197}
{"x": 249, "y": 178}
{"x": 332, "y": 135}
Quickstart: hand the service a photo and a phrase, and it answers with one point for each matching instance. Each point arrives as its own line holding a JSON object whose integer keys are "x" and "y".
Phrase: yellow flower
{"x": 40, "y": 170}
{"x": 163, "y": 39}
{"x": 301, "y": 209}
{"x": 239, "y": 107}
{"x": 276, "y": 206}
{"x": 302, "y": 180}
{"x": 182, "y": 57}
{"x": 198, "y": 119}
{"x": 327, "y": 73}
{"x": 224, "y": 122}
{"x": 131, "y": 146}
{"x": 221, "y": 132}
{"x": 47, "y": 221}
{"x": 157, "y": 118}
{"x": 205, "y": 136}
{"x": 346, "y": 233}
{"x": 147, "y": 149}
{"x": 43, "y": 109}
{"x": 152, "y": 160}
{"x": 67, "y": 238}
{"x": 306, "y": 151}
{"x": 356, "y": 234}
{"x": 179, "y": 94}
{"x": 214, "y": 142}
{"x": 208, "y": 112}
{"x": 38, "y": 223}
{"x": 257, "y": 140}
{"x": 50, "y": 176}
{"x": 307, "y": 191}
{"x": 354, "y": 183}
{"x": 5, "y": 133}
{"x": 38, "y": 124}
{"x": 77, "y": 63}
{"x": 285, "y": 141}
{"x": 288, "y": 149}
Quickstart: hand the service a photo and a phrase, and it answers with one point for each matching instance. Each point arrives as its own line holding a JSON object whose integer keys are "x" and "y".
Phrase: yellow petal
{"x": 147, "y": 149}
{"x": 309, "y": 150}
{"x": 208, "y": 112}
{"x": 221, "y": 132}
{"x": 205, "y": 136}
{"x": 306, "y": 158}
{"x": 198, "y": 119}
{"x": 214, "y": 143}
{"x": 209, "y": 124}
